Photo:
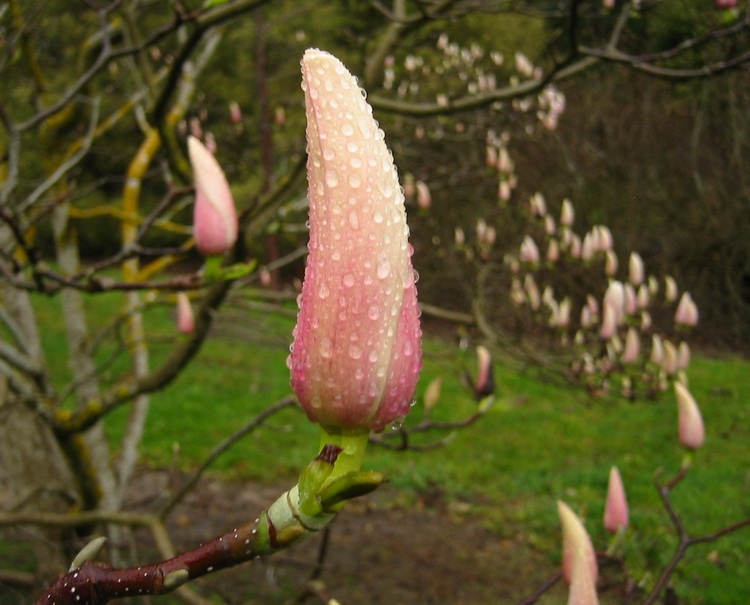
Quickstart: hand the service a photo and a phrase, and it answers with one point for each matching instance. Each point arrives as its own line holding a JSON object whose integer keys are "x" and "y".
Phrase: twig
{"x": 685, "y": 541}
{"x": 223, "y": 447}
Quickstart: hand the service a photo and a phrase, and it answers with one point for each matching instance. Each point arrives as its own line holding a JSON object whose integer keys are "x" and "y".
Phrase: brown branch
{"x": 128, "y": 388}
{"x": 685, "y": 540}
{"x": 295, "y": 515}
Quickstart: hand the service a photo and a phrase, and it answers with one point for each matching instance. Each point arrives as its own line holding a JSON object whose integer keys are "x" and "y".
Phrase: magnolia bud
{"x": 214, "y": 218}
{"x": 357, "y": 351}
{"x": 185, "y": 317}
{"x": 579, "y": 567}
{"x": 616, "y": 508}
{"x": 691, "y": 431}
{"x": 635, "y": 269}
{"x": 687, "y": 311}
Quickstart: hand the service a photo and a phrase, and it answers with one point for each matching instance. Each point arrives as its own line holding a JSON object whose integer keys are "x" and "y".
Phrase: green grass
{"x": 538, "y": 444}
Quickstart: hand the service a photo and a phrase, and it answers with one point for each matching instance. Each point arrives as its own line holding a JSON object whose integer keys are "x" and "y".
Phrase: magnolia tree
{"x": 356, "y": 352}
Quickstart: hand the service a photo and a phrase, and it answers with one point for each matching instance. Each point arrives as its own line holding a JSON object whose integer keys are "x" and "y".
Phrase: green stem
{"x": 212, "y": 268}
{"x": 353, "y": 451}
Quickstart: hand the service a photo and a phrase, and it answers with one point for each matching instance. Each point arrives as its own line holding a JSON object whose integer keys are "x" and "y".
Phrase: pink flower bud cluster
{"x": 613, "y": 329}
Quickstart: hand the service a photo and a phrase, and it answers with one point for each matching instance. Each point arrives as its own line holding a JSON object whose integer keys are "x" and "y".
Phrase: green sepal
{"x": 214, "y": 271}
{"x": 238, "y": 270}
{"x": 311, "y": 481}
{"x": 347, "y": 487}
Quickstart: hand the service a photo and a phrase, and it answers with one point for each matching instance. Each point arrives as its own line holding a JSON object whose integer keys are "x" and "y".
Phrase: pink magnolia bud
{"x": 424, "y": 199}
{"x": 357, "y": 350}
{"x": 485, "y": 383}
{"x": 532, "y": 291}
{"x": 610, "y": 262}
{"x": 691, "y": 431}
{"x": 537, "y": 204}
{"x": 645, "y": 321}
{"x": 504, "y": 163}
{"x": 609, "y": 321}
{"x": 185, "y": 317}
{"x": 459, "y": 236}
{"x": 524, "y": 65}
{"x": 279, "y": 115}
{"x": 553, "y": 251}
{"x": 549, "y": 225}
{"x": 587, "y": 248}
{"x": 643, "y": 298}
{"x": 567, "y": 213}
{"x": 214, "y": 217}
{"x": 687, "y": 311}
{"x": 235, "y": 112}
{"x": 635, "y": 269}
{"x": 432, "y": 394}
{"x": 670, "y": 289}
{"x": 576, "y": 247}
{"x": 579, "y": 565}
{"x": 632, "y": 347}
{"x": 603, "y": 238}
{"x": 529, "y": 252}
{"x": 683, "y": 356}
{"x": 615, "y": 296}
{"x": 669, "y": 360}
{"x": 491, "y": 156}
{"x": 616, "y": 508}
{"x": 657, "y": 350}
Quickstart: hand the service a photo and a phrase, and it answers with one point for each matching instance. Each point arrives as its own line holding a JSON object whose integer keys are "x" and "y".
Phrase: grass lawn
{"x": 538, "y": 444}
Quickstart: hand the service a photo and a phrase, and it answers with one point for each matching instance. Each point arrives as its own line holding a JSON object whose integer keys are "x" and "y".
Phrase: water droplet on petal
{"x": 348, "y": 280}
{"x": 384, "y": 268}
{"x": 355, "y": 352}
{"x": 332, "y": 178}
{"x": 326, "y": 348}
{"x": 323, "y": 291}
{"x": 347, "y": 129}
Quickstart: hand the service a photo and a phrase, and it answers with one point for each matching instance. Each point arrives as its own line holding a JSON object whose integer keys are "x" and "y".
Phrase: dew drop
{"x": 323, "y": 292}
{"x": 355, "y": 352}
{"x": 328, "y": 154}
{"x": 384, "y": 268}
{"x": 347, "y": 129}
{"x": 355, "y": 181}
{"x": 332, "y": 178}
{"x": 373, "y": 356}
{"x": 378, "y": 217}
{"x": 373, "y": 312}
{"x": 326, "y": 348}
{"x": 348, "y": 280}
